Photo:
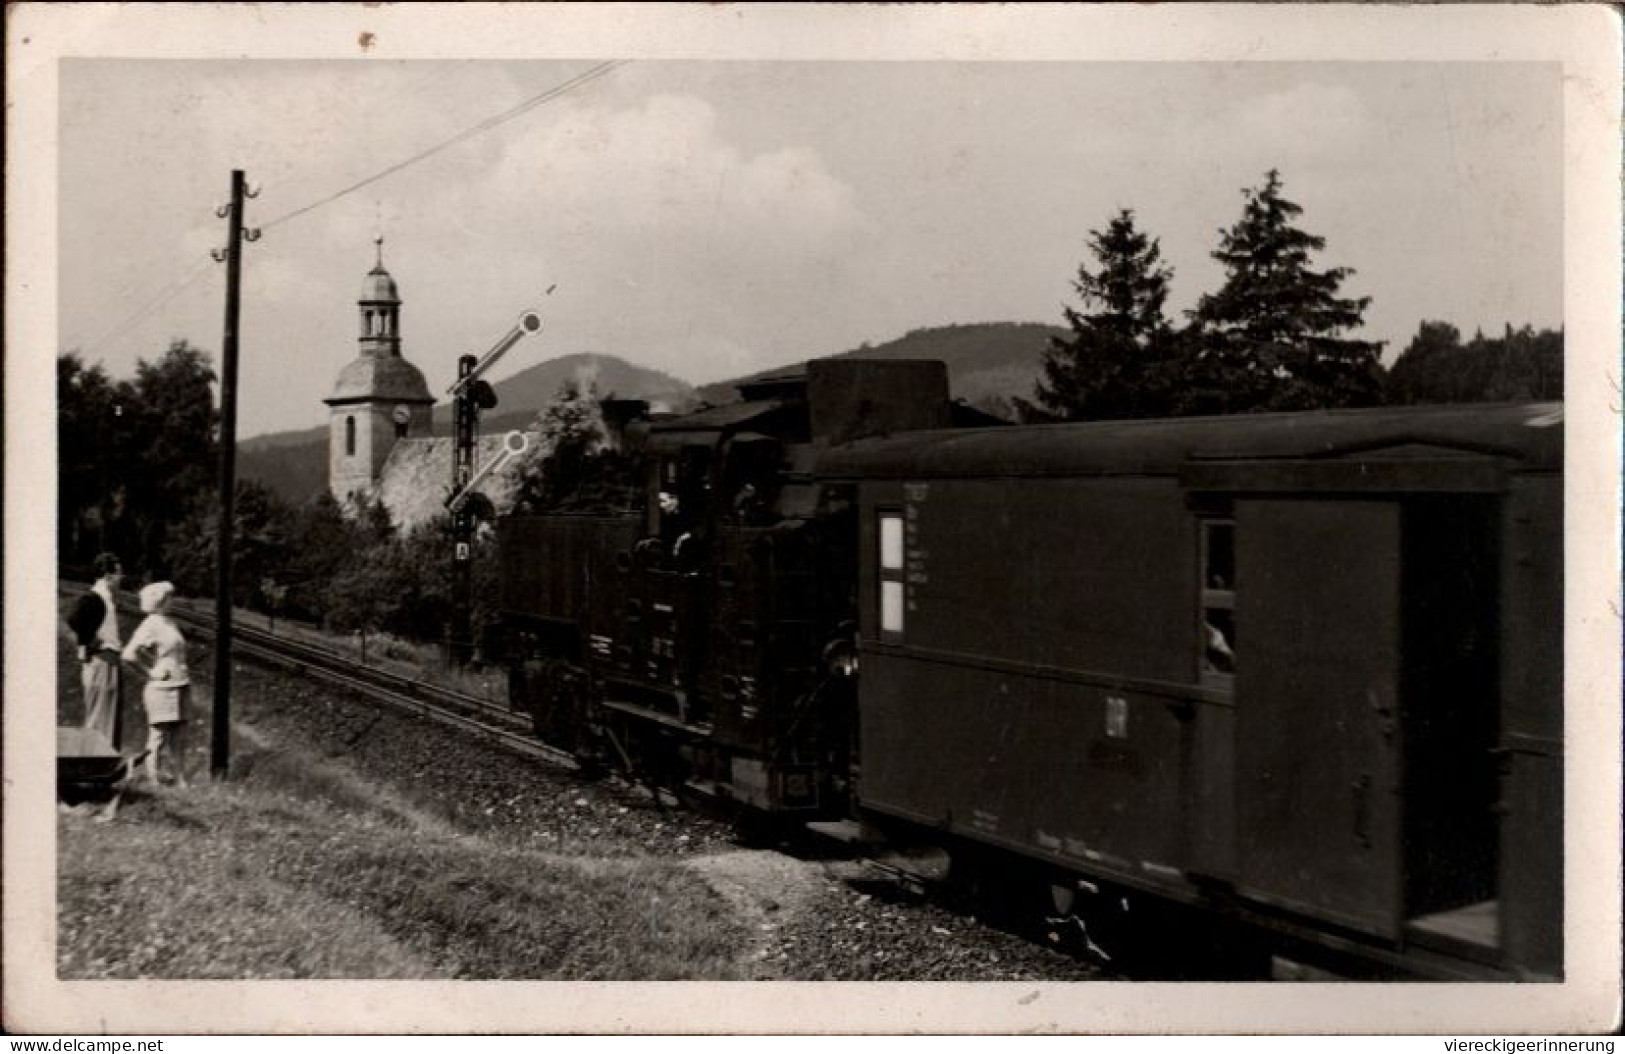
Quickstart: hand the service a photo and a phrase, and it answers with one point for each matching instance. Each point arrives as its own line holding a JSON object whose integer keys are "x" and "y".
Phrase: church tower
{"x": 378, "y": 398}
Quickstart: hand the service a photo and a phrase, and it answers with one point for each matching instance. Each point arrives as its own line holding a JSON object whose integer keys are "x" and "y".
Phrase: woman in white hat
{"x": 158, "y": 650}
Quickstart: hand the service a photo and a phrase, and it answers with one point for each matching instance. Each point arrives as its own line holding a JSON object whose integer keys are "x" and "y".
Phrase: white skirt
{"x": 165, "y": 703}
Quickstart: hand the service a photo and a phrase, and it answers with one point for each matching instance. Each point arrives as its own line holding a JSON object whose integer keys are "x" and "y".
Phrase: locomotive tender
{"x": 1303, "y": 671}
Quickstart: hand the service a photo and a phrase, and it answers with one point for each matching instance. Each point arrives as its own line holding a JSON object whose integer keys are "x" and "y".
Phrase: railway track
{"x": 460, "y": 710}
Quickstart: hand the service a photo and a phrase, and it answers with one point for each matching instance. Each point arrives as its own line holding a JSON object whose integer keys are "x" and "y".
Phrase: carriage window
{"x": 891, "y": 542}
{"x": 891, "y": 572}
{"x": 1218, "y": 629}
{"x": 891, "y": 607}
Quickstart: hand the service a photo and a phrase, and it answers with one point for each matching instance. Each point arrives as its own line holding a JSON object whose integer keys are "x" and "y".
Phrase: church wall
{"x": 374, "y": 436}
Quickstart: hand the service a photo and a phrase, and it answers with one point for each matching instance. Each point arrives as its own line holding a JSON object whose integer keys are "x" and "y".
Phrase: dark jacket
{"x": 86, "y": 618}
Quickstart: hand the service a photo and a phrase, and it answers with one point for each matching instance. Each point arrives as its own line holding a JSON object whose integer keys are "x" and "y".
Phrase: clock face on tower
{"x": 402, "y": 414}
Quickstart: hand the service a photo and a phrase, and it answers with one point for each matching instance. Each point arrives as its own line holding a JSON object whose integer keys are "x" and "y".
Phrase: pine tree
{"x": 1110, "y": 365}
{"x": 1272, "y": 337}
{"x": 1425, "y": 369}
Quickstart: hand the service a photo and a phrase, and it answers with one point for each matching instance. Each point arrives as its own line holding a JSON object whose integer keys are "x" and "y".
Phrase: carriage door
{"x": 1316, "y": 690}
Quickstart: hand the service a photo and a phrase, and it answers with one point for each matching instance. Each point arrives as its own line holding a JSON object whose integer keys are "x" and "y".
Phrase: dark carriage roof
{"x": 1530, "y": 434}
{"x": 712, "y": 426}
{"x": 719, "y": 418}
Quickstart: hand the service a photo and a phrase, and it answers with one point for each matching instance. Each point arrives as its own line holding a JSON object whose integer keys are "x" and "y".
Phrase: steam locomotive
{"x": 1302, "y": 672}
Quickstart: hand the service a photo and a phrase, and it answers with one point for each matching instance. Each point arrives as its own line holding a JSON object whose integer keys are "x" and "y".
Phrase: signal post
{"x": 465, "y": 424}
{"x": 470, "y": 395}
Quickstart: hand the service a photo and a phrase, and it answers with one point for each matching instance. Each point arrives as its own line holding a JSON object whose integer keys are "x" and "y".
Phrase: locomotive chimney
{"x": 618, "y": 414}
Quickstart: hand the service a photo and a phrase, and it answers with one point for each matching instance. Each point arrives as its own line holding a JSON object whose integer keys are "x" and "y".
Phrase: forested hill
{"x": 522, "y": 396}
{"x": 988, "y": 362}
{"x": 294, "y": 464}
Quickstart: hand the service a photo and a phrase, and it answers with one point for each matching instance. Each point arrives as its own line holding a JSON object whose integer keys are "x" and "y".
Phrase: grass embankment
{"x": 303, "y": 866}
{"x": 250, "y": 881}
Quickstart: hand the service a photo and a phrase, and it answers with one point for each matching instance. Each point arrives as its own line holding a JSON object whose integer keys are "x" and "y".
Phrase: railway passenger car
{"x": 1303, "y": 670}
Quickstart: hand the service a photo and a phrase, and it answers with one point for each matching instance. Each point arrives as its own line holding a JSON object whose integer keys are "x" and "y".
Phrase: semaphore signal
{"x": 470, "y": 394}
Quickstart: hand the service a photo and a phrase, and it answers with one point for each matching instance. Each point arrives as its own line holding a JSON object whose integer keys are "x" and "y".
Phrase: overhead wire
{"x": 177, "y": 287}
{"x": 486, "y": 125}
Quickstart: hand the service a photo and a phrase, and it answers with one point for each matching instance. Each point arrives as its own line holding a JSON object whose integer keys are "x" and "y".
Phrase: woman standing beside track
{"x": 167, "y": 694}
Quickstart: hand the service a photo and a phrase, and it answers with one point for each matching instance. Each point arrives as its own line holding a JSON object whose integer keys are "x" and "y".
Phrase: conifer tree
{"x": 1110, "y": 365}
{"x": 1272, "y": 337}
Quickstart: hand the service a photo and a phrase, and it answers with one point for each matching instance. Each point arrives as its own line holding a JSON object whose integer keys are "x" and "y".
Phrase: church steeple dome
{"x": 380, "y": 306}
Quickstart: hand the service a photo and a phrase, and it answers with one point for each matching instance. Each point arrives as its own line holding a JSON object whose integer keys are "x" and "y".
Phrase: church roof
{"x": 380, "y": 378}
{"x": 416, "y": 477}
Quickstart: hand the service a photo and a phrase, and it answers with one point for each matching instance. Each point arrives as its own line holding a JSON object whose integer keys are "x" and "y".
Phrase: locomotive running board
{"x": 656, "y": 716}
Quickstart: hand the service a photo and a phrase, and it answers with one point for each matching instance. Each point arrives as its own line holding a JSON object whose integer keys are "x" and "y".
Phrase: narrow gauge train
{"x": 1302, "y": 672}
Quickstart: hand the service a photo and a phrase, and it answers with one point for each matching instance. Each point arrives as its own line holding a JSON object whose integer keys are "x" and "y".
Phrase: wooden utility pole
{"x": 220, "y": 740}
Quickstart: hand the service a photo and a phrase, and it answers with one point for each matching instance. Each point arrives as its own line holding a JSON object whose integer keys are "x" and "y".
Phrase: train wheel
{"x": 756, "y": 829}
{"x": 1090, "y": 922}
{"x": 1151, "y": 940}
{"x": 556, "y": 703}
{"x": 527, "y": 691}
{"x": 648, "y": 759}
{"x": 1002, "y": 889}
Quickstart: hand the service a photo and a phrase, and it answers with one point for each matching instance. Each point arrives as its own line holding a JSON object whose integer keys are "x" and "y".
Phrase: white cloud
{"x": 657, "y": 229}
{"x": 1330, "y": 117}
{"x": 659, "y": 171}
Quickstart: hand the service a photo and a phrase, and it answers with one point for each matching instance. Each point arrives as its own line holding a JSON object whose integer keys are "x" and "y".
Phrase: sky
{"x": 710, "y": 218}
